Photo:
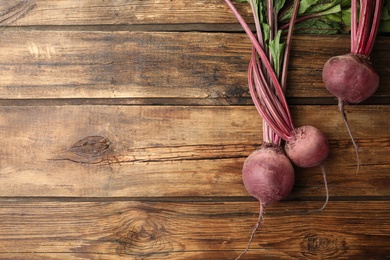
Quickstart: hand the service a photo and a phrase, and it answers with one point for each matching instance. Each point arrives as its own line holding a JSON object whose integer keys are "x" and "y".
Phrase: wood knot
{"x": 91, "y": 149}
{"x": 91, "y": 146}
{"x": 319, "y": 245}
{"x": 143, "y": 236}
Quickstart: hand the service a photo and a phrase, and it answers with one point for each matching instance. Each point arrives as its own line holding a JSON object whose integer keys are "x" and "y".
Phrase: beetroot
{"x": 309, "y": 147}
{"x": 350, "y": 77}
{"x": 268, "y": 174}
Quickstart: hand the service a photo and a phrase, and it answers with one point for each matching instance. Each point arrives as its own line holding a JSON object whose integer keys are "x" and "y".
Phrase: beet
{"x": 350, "y": 77}
{"x": 309, "y": 147}
{"x": 268, "y": 174}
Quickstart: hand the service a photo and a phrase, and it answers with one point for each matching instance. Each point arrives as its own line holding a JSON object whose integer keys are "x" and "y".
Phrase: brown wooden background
{"x": 124, "y": 125}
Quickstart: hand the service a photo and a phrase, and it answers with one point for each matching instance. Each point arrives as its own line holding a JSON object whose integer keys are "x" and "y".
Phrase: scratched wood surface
{"x": 206, "y": 66}
{"x": 124, "y": 126}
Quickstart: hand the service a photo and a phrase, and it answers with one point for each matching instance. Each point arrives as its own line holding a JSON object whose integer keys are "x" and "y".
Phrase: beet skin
{"x": 268, "y": 174}
{"x": 350, "y": 77}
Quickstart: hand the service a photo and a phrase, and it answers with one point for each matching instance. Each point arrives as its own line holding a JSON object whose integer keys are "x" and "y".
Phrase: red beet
{"x": 309, "y": 147}
{"x": 350, "y": 77}
{"x": 268, "y": 174}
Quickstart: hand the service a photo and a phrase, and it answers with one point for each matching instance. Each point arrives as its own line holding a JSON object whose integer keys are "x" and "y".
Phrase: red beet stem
{"x": 374, "y": 28}
{"x": 266, "y": 90}
{"x": 269, "y": 108}
{"x": 288, "y": 45}
{"x": 364, "y": 25}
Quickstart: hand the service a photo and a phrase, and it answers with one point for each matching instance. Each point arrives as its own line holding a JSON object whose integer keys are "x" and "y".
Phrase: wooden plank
{"x": 154, "y": 151}
{"x": 103, "y": 157}
{"x": 74, "y": 64}
{"x": 181, "y": 230}
{"x": 116, "y": 65}
{"x": 84, "y": 12}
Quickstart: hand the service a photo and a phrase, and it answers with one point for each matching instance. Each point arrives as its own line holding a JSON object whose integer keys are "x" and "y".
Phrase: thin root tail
{"x": 341, "y": 108}
{"x": 261, "y": 213}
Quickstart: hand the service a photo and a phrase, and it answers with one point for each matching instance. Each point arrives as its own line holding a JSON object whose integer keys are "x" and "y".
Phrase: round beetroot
{"x": 350, "y": 77}
{"x": 309, "y": 147}
{"x": 268, "y": 174}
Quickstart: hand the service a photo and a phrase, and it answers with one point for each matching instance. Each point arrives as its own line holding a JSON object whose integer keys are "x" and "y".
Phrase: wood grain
{"x": 166, "y": 230}
{"x": 153, "y": 151}
{"x": 85, "y": 12}
{"x": 74, "y": 64}
{"x": 124, "y": 126}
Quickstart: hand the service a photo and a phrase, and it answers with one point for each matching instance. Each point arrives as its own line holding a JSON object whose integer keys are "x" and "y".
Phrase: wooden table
{"x": 125, "y": 124}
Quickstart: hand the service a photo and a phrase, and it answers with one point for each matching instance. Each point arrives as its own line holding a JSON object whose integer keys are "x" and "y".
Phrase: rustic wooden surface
{"x": 124, "y": 126}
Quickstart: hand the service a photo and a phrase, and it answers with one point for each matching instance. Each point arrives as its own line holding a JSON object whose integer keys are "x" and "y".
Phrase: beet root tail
{"x": 256, "y": 227}
{"x": 341, "y": 108}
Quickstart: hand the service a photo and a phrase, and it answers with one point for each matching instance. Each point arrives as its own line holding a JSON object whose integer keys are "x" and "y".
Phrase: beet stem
{"x": 261, "y": 213}
{"x": 272, "y": 111}
{"x": 341, "y": 108}
{"x": 288, "y": 46}
{"x": 364, "y": 23}
{"x": 257, "y": 25}
{"x": 354, "y": 26}
{"x": 257, "y": 102}
{"x": 263, "y": 56}
{"x": 374, "y": 28}
{"x": 258, "y": 48}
